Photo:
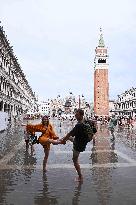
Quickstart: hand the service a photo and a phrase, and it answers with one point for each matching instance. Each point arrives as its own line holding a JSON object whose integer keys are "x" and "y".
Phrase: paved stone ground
{"x": 109, "y": 170}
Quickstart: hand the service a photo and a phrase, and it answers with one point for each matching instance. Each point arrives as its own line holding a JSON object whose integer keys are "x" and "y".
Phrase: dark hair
{"x": 45, "y": 117}
{"x": 80, "y": 111}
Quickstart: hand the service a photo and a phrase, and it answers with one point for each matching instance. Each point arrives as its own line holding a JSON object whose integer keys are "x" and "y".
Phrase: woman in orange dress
{"x": 47, "y": 137}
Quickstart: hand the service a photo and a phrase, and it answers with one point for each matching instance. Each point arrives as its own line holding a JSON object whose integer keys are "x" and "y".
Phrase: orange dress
{"x": 47, "y": 133}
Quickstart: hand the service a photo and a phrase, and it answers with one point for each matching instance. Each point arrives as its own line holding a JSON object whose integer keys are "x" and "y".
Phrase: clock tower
{"x": 101, "y": 84}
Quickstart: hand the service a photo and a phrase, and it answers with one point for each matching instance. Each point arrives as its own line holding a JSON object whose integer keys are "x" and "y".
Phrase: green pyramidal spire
{"x": 101, "y": 40}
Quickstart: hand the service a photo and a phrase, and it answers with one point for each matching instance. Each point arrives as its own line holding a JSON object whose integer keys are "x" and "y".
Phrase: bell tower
{"x": 101, "y": 84}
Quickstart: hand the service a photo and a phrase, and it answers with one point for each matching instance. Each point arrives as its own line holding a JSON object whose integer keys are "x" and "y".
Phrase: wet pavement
{"x": 109, "y": 171}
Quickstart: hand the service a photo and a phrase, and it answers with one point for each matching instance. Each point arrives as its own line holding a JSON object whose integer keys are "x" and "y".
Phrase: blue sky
{"x": 55, "y": 43}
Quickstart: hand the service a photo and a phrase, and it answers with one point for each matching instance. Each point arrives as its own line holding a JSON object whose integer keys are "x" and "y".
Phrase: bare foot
{"x": 55, "y": 142}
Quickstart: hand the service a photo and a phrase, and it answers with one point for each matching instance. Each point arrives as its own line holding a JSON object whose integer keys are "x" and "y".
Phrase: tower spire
{"x": 101, "y": 40}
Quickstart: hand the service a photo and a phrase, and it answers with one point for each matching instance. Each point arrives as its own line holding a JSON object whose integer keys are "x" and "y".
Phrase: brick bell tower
{"x": 101, "y": 84}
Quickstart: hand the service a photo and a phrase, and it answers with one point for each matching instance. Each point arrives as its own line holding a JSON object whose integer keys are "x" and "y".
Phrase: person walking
{"x": 47, "y": 137}
{"x": 81, "y": 134}
{"x": 112, "y": 125}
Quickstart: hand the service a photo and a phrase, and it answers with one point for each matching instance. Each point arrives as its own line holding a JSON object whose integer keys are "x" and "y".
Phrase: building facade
{"x": 126, "y": 103}
{"x": 16, "y": 95}
{"x": 66, "y": 105}
{"x": 101, "y": 84}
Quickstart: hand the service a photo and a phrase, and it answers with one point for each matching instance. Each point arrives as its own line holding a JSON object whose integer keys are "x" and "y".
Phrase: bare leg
{"x": 112, "y": 133}
{"x": 76, "y": 164}
{"x": 27, "y": 145}
{"x": 54, "y": 142}
{"x": 32, "y": 149}
{"x": 93, "y": 140}
{"x": 46, "y": 151}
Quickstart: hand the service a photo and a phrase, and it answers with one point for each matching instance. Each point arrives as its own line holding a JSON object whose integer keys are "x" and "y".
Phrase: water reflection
{"x": 3, "y": 185}
{"x": 12, "y": 178}
{"x": 77, "y": 193}
{"x": 9, "y": 138}
{"x": 58, "y": 194}
{"x": 103, "y": 153}
{"x": 110, "y": 157}
{"x": 46, "y": 197}
{"x": 103, "y": 184}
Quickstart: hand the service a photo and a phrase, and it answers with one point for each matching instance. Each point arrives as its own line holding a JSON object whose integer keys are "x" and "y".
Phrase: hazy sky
{"x": 55, "y": 43}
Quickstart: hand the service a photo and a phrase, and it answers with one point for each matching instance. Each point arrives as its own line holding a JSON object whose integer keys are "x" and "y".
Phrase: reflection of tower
{"x": 101, "y": 173}
{"x": 101, "y": 85}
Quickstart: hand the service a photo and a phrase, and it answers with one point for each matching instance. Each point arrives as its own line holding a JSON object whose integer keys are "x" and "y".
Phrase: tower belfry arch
{"x": 101, "y": 84}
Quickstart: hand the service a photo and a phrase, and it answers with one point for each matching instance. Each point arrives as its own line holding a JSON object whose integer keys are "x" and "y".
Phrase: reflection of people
{"x": 114, "y": 156}
{"x": 80, "y": 140}
{"x": 46, "y": 197}
{"x": 77, "y": 192}
{"x": 47, "y": 137}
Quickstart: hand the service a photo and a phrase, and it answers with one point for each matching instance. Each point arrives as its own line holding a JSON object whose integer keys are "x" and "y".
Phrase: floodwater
{"x": 109, "y": 171}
